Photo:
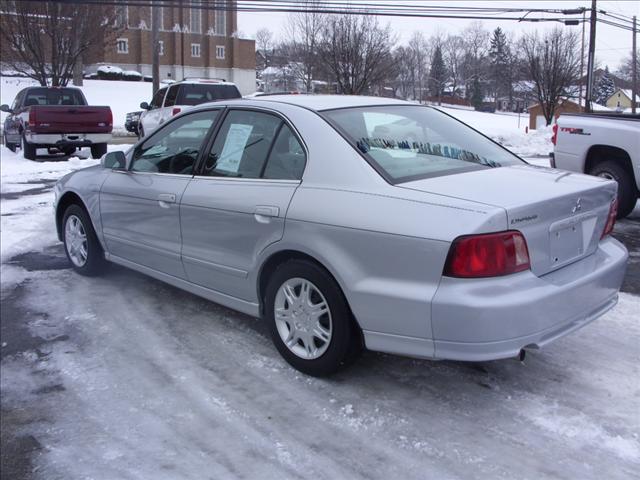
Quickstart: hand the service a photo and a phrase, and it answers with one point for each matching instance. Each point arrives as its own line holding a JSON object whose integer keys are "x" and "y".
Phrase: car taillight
{"x": 487, "y": 255}
{"x": 611, "y": 218}
{"x": 554, "y": 137}
{"x": 176, "y": 110}
{"x": 110, "y": 118}
{"x": 32, "y": 117}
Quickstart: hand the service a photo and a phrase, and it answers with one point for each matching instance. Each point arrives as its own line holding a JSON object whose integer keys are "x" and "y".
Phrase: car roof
{"x": 202, "y": 81}
{"x": 328, "y": 102}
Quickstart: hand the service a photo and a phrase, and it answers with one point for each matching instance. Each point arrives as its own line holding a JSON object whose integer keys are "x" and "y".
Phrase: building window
{"x": 195, "y": 50}
{"x": 122, "y": 45}
{"x": 220, "y": 52}
{"x": 161, "y": 47}
{"x": 196, "y": 17}
{"x": 220, "y": 20}
{"x": 122, "y": 16}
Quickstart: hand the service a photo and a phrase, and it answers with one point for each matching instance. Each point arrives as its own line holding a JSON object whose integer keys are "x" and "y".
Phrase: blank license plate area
{"x": 565, "y": 243}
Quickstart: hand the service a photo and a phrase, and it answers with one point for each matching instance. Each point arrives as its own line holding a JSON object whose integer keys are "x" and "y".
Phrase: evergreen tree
{"x": 476, "y": 94}
{"x": 438, "y": 74}
{"x": 604, "y": 88}
{"x": 499, "y": 55}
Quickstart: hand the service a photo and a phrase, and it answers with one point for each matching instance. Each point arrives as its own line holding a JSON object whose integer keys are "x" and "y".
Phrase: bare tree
{"x": 552, "y": 63}
{"x": 44, "y": 40}
{"x": 421, "y": 52}
{"x": 453, "y": 50}
{"x": 357, "y": 51}
{"x": 264, "y": 42}
{"x": 476, "y": 42}
{"x": 304, "y": 30}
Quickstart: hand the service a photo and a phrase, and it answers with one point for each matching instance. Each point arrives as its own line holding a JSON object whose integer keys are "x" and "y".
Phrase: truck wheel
{"x": 10, "y": 146}
{"x": 98, "y": 150}
{"x": 69, "y": 151}
{"x": 28, "y": 149}
{"x": 627, "y": 195}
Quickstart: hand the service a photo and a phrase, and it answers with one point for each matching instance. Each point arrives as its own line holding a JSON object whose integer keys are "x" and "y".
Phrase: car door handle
{"x": 164, "y": 199}
{"x": 263, "y": 213}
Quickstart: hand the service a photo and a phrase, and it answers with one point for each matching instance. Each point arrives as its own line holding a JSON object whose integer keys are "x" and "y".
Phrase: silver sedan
{"x": 321, "y": 215}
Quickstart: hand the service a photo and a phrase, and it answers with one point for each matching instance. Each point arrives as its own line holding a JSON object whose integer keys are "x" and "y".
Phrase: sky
{"x": 612, "y": 44}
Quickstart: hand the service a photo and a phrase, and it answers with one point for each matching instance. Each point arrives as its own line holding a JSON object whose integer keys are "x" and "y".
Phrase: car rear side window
{"x": 409, "y": 142}
{"x": 54, "y": 96}
{"x": 197, "y": 93}
{"x": 287, "y": 158}
{"x": 243, "y": 144}
{"x": 174, "y": 148}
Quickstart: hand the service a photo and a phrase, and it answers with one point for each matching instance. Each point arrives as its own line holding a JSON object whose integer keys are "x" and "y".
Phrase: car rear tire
{"x": 627, "y": 194}
{"x": 9, "y": 145}
{"x": 81, "y": 243}
{"x": 28, "y": 149}
{"x": 98, "y": 150}
{"x": 309, "y": 318}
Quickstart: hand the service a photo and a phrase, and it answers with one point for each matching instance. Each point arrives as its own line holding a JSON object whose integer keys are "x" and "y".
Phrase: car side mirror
{"x": 114, "y": 160}
{"x": 145, "y": 106}
{"x": 6, "y": 108}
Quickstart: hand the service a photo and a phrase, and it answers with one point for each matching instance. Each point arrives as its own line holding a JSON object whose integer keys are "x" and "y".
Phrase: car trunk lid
{"x": 561, "y": 215}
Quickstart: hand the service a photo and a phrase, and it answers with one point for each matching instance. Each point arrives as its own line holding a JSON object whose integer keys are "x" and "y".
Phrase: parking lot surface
{"x": 125, "y": 377}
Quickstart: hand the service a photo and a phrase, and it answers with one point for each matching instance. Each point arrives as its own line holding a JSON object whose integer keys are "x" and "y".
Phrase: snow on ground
{"x": 123, "y": 97}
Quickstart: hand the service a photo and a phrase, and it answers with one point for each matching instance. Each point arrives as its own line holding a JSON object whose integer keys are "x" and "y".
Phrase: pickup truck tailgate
{"x": 70, "y": 119}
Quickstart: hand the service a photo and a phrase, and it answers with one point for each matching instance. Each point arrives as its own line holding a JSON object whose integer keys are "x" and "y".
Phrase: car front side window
{"x": 175, "y": 147}
{"x": 156, "y": 101}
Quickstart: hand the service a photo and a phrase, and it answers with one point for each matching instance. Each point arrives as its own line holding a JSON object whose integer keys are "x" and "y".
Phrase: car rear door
{"x": 140, "y": 206}
{"x": 236, "y": 204}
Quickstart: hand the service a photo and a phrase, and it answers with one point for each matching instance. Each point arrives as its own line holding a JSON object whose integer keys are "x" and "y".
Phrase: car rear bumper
{"x": 488, "y": 319}
{"x": 68, "y": 139}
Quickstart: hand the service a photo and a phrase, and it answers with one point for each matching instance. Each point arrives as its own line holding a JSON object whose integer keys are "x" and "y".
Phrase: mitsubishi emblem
{"x": 577, "y": 206}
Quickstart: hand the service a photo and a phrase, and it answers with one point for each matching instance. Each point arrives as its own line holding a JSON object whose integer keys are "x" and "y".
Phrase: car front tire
{"x": 9, "y": 145}
{"x": 627, "y": 194}
{"x": 81, "y": 243}
{"x": 309, "y": 318}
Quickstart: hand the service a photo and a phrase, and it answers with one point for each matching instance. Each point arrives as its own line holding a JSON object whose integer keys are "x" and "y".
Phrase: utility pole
{"x": 591, "y": 59}
{"x": 634, "y": 66}
{"x": 155, "y": 43}
{"x": 580, "y": 98}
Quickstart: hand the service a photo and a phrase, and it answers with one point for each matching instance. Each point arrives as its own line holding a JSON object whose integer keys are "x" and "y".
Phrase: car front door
{"x": 139, "y": 206}
{"x": 236, "y": 204}
{"x": 151, "y": 118}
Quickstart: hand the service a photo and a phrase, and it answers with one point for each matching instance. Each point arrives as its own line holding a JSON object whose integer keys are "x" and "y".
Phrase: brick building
{"x": 194, "y": 43}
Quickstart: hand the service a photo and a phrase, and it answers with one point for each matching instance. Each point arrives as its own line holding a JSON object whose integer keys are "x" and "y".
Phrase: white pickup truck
{"x": 606, "y": 145}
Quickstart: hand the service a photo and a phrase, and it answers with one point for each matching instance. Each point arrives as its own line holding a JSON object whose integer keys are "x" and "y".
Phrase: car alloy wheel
{"x": 76, "y": 241}
{"x": 303, "y": 318}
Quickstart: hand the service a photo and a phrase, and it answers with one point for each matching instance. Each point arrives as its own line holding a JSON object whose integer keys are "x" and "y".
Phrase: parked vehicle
{"x": 293, "y": 208}
{"x": 58, "y": 119}
{"x": 606, "y": 145}
{"x": 180, "y": 96}
{"x": 131, "y": 122}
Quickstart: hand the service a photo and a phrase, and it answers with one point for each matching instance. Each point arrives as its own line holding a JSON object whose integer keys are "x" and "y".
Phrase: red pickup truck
{"x": 58, "y": 119}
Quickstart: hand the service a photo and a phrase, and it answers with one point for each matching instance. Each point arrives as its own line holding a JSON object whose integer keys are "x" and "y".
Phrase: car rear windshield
{"x": 195, "y": 94}
{"x": 54, "y": 96}
{"x": 409, "y": 142}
